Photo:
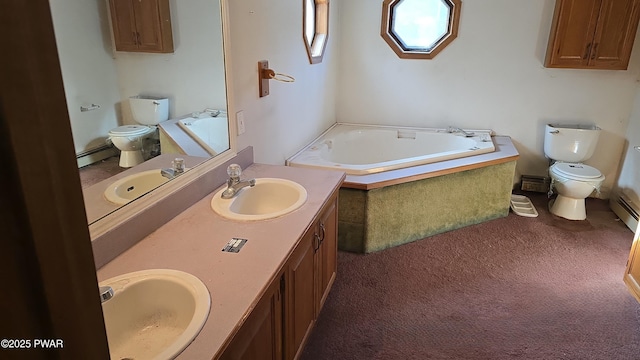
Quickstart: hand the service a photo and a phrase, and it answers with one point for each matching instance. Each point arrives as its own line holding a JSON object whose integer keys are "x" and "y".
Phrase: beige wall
{"x": 294, "y": 113}
{"x": 491, "y": 76}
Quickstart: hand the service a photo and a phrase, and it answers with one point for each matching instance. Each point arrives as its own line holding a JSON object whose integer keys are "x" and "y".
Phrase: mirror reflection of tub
{"x": 196, "y": 135}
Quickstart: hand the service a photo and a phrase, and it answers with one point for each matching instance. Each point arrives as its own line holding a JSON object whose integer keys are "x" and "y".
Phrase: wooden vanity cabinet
{"x": 260, "y": 337}
{"x": 310, "y": 274}
{"x": 141, "y": 25}
{"x": 280, "y": 325}
{"x": 592, "y": 34}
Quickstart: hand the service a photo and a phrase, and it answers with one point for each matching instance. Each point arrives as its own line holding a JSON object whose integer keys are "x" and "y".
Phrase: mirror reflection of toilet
{"x": 568, "y": 146}
{"x": 147, "y": 111}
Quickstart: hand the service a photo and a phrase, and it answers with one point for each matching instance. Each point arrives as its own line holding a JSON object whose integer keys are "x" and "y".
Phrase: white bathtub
{"x": 212, "y": 133}
{"x": 367, "y": 149}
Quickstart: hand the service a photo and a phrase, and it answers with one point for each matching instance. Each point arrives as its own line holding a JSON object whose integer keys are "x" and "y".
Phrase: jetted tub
{"x": 405, "y": 184}
{"x": 367, "y": 149}
{"x": 209, "y": 132}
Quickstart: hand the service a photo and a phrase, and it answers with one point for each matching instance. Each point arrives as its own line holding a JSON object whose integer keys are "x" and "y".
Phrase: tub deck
{"x": 505, "y": 152}
{"x": 392, "y": 208}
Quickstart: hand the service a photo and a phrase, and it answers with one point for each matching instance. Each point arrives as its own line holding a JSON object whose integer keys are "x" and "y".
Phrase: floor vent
{"x": 626, "y": 210}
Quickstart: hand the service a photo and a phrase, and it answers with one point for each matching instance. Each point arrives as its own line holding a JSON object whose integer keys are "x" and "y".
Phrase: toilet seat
{"x": 576, "y": 171}
{"x": 130, "y": 130}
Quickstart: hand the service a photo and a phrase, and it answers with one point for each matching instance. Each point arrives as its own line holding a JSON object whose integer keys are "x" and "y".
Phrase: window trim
{"x": 390, "y": 37}
{"x": 315, "y": 51}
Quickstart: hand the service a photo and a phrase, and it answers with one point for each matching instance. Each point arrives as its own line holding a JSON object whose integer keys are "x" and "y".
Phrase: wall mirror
{"x": 98, "y": 81}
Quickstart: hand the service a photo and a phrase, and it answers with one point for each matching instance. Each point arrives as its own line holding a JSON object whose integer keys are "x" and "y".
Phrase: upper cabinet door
{"x": 142, "y": 25}
{"x": 615, "y": 34}
{"x": 592, "y": 34}
{"x": 123, "y": 23}
{"x": 571, "y": 39}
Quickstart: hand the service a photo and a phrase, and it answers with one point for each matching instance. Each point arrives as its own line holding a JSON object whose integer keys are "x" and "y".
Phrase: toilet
{"x": 567, "y": 146}
{"x": 147, "y": 111}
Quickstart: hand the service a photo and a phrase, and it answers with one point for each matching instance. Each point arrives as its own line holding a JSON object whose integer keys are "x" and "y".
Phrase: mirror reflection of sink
{"x": 134, "y": 186}
{"x": 268, "y": 199}
{"x": 154, "y": 314}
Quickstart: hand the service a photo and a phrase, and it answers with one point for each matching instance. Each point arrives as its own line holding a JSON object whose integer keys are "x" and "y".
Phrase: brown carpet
{"x": 512, "y": 288}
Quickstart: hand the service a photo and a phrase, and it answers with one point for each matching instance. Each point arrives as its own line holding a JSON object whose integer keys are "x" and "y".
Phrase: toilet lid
{"x": 577, "y": 170}
{"x": 129, "y": 130}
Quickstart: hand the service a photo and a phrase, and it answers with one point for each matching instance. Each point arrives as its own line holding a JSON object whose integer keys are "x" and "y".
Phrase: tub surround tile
{"x": 122, "y": 237}
{"x": 192, "y": 242}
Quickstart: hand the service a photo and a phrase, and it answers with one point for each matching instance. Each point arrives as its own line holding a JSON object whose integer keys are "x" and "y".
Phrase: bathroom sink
{"x": 134, "y": 186}
{"x": 268, "y": 199}
{"x": 154, "y": 314}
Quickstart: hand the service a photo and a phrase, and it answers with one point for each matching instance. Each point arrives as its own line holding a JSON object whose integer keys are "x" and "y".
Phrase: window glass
{"x": 309, "y": 21}
{"x": 315, "y": 24}
{"x": 419, "y": 28}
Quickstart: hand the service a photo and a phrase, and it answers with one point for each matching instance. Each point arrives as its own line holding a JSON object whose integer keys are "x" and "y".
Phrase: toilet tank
{"x": 570, "y": 143}
{"x": 149, "y": 110}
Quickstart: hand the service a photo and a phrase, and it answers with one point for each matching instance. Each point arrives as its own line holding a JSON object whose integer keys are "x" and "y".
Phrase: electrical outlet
{"x": 240, "y": 122}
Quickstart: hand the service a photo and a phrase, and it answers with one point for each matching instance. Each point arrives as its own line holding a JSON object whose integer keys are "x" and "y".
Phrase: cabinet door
{"x": 141, "y": 25}
{"x": 153, "y": 25}
{"x": 300, "y": 289}
{"x": 123, "y": 24}
{"x": 571, "y": 39}
{"x": 260, "y": 337}
{"x": 328, "y": 252}
{"x": 615, "y": 33}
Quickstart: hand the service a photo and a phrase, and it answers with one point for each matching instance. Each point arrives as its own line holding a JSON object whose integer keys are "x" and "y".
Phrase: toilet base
{"x": 568, "y": 208}
{"x": 131, "y": 158}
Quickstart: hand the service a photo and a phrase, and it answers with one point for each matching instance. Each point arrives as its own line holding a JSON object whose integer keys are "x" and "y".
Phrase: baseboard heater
{"x": 94, "y": 155}
{"x": 626, "y": 210}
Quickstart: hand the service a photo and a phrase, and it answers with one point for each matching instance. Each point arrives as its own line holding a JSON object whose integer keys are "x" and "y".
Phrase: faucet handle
{"x": 178, "y": 166}
{"x": 234, "y": 171}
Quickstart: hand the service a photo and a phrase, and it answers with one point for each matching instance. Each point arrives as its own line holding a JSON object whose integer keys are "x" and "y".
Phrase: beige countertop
{"x": 193, "y": 240}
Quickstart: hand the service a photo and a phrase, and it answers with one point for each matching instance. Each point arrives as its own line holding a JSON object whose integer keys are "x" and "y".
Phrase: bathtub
{"x": 212, "y": 133}
{"x": 368, "y": 149}
{"x": 405, "y": 184}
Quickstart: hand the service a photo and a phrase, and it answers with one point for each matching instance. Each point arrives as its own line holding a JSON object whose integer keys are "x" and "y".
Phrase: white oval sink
{"x": 134, "y": 186}
{"x": 154, "y": 314}
{"x": 268, "y": 199}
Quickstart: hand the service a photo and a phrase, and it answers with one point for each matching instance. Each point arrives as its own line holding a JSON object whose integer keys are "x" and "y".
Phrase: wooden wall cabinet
{"x": 592, "y": 34}
{"x": 279, "y": 326}
{"x": 141, "y": 25}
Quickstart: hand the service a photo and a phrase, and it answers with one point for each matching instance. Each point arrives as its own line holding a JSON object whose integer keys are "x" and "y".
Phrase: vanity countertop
{"x": 193, "y": 240}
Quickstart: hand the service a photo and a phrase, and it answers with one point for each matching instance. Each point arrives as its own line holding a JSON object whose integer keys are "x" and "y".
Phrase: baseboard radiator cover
{"x": 94, "y": 155}
{"x": 626, "y": 210}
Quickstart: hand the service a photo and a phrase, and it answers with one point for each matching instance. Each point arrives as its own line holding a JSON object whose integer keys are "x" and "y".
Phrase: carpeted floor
{"x": 512, "y": 288}
{"x": 94, "y": 173}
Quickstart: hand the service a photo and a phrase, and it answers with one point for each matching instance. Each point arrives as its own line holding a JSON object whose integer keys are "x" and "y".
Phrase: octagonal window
{"x": 419, "y": 28}
{"x": 315, "y": 24}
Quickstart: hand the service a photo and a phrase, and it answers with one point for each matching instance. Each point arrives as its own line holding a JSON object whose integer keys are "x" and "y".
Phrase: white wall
{"x": 84, "y": 48}
{"x": 192, "y": 77}
{"x": 294, "y": 113}
{"x": 491, "y": 76}
{"x": 629, "y": 179}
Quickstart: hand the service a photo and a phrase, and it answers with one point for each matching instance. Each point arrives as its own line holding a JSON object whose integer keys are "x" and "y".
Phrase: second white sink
{"x": 268, "y": 199}
{"x": 154, "y": 314}
{"x": 134, "y": 186}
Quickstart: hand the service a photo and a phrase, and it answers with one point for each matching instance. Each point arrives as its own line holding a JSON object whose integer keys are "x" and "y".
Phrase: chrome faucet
{"x": 177, "y": 168}
{"x": 106, "y": 293}
{"x": 234, "y": 184}
{"x": 453, "y": 129}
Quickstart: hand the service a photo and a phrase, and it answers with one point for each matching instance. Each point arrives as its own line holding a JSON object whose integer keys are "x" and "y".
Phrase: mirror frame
{"x": 125, "y": 213}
